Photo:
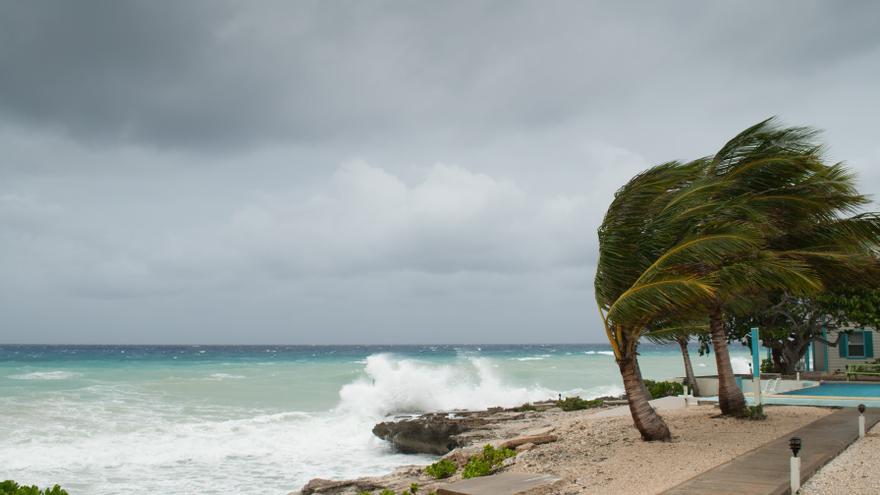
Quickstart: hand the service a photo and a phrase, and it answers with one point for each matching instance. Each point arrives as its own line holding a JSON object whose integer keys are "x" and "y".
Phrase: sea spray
{"x": 399, "y": 386}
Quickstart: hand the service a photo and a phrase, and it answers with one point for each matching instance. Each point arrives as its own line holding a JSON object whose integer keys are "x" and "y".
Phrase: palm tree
{"x": 652, "y": 263}
{"x": 681, "y": 333}
{"x": 775, "y": 179}
{"x": 681, "y": 241}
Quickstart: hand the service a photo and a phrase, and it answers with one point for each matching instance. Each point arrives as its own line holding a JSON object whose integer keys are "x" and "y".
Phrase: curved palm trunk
{"x": 688, "y": 367}
{"x": 730, "y": 397}
{"x": 646, "y": 419}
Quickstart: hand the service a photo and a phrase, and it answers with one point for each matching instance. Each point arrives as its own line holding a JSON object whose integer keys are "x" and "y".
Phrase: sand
{"x": 606, "y": 455}
{"x": 856, "y": 470}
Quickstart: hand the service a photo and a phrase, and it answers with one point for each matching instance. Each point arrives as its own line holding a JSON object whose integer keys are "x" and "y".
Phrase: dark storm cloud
{"x": 218, "y": 74}
{"x": 373, "y": 171}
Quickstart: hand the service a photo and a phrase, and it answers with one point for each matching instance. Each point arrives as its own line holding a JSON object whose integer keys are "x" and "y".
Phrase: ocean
{"x": 264, "y": 419}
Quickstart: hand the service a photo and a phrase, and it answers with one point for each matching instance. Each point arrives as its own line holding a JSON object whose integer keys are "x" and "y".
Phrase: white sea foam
{"x": 603, "y": 353}
{"x": 532, "y": 358}
{"x": 45, "y": 375}
{"x": 410, "y": 386}
{"x": 225, "y": 376}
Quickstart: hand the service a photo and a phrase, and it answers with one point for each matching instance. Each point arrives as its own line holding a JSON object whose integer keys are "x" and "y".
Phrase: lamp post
{"x": 795, "y": 445}
{"x": 861, "y": 420}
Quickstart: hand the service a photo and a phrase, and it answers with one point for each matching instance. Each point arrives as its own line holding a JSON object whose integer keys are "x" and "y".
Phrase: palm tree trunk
{"x": 646, "y": 419}
{"x": 730, "y": 397}
{"x": 688, "y": 367}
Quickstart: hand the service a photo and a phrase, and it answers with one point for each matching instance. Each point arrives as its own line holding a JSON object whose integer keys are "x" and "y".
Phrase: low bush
{"x": 754, "y": 413}
{"x": 526, "y": 407}
{"x": 767, "y": 366}
{"x": 576, "y": 403}
{"x": 10, "y": 487}
{"x": 443, "y": 468}
{"x": 413, "y": 488}
{"x": 663, "y": 389}
{"x": 483, "y": 464}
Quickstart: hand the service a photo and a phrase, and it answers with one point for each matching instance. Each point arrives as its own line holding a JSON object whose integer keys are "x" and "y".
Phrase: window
{"x": 856, "y": 345}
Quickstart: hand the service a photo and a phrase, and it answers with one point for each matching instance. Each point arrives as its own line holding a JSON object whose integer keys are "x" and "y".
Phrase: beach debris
{"x": 532, "y": 439}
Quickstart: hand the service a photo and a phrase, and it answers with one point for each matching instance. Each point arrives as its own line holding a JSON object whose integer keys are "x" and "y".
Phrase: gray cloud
{"x": 373, "y": 171}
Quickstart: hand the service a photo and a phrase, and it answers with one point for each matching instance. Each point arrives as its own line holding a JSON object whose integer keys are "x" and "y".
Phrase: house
{"x": 857, "y": 347}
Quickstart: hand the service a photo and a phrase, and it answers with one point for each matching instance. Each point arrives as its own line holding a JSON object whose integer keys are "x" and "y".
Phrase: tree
{"x": 683, "y": 241}
{"x": 775, "y": 180}
{"x": 681, "y": 334}
{"x": 812, "y": 214}
{"x": 652, "y": 265}
{"x": 789, "y": 324}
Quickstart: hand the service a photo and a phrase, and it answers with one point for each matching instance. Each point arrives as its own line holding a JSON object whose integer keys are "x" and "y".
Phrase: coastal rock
{"x": 427, "y": 434}
{"x": 323, "y": 486}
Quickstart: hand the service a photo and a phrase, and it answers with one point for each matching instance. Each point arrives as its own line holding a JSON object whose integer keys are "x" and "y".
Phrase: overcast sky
{"x": 374, "y": 172}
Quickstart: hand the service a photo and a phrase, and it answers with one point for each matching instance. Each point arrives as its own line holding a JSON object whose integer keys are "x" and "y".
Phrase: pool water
{"x": 840, "y": 390}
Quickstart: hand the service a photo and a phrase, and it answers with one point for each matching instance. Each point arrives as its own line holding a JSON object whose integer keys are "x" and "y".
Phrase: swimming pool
{"x": 871, "y": 390}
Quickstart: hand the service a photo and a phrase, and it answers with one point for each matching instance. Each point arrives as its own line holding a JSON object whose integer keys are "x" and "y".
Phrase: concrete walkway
{"x": 499, "y": 484}
{"x": 765, "y": 469}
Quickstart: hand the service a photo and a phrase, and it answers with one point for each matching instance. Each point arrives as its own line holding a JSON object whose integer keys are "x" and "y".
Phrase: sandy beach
{"x": 600, "y": 456}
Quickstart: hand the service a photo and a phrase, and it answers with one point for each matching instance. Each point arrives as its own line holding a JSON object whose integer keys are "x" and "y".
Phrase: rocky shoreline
{"x": 456, "y": 435}
{"x": 594, "y": 451}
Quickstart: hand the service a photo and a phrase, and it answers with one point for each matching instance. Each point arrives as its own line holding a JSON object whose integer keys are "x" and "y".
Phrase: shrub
{"x": 526, "y": 407}
{"x": 483, "y": 464}
{"x": 576, "y": 403}
{"x": 754, "y": 413}
{"x": 10, "y": 487}
{"x": 767, "y": 366}
{"x": 443, "y": 468}
{"x": 663, "y": 389}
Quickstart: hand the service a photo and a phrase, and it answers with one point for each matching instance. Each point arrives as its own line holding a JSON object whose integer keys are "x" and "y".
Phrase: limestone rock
{"x": 323, "y": 486}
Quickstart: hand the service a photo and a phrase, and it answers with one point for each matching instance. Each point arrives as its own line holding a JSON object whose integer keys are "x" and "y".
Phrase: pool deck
{"x": 765, "y": 469}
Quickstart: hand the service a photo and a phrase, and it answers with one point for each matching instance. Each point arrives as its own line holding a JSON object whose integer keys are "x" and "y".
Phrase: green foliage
{"x": 413, "y": 488}
{"x": 767, "y": 366}
{"x": 483, "y": 464}
{"x": 10, "y": 487}
{"x": 443, "y": 468}
{"x": 664, "y": 389}
{"x": 526, "y": 407}
{"x": 576, "y": 403}
{"x": 754, "y": 413}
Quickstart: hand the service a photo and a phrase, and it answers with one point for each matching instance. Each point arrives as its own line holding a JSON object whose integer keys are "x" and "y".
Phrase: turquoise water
{"x": 261, "y": 419}
{"x": 870, "y": 390}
